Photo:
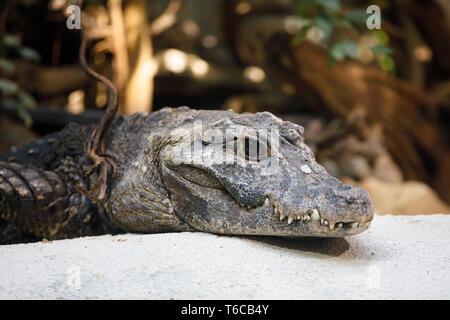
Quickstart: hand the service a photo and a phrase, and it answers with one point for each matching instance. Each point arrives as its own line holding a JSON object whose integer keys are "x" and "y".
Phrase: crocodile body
{"x": 163, "y": 185}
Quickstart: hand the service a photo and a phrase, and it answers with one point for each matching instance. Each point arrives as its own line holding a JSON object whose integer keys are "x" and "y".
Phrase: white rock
{"x": 381, "y": 263}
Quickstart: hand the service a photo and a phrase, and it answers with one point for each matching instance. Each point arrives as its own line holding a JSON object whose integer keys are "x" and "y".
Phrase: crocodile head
{"x": 252, "y": 174}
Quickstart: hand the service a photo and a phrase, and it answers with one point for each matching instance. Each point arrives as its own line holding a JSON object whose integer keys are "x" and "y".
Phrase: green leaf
{"x": 300, "y": 36}
{"x": 332, "y": 5}
{"x": 382, "y": 49}
{"x": 12, "y": 41}
{"x": 23, "y": 113}
{"x": 8, "y": 87}
{"x": 337, "y": 53}
{"x": 358, "y": 17}
{"x": 303, "y": 7}
{"x": 380, "y": 37}
{"x": 2, "y": 45}
{"x": 6, "y": 66}
{"x": 26, "y": 99}
{"x": 344, "y": 49}
{"x": 29, "y": 54}
{"x": 325, "y": 25}
{"x": 387, "y": 64}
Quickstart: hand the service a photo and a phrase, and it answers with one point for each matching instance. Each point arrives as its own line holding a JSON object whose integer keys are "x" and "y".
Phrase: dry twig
{"x": 95, "y": 145}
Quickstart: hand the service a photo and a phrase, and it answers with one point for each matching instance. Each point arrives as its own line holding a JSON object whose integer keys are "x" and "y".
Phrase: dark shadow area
{"x": 329, "y": 246}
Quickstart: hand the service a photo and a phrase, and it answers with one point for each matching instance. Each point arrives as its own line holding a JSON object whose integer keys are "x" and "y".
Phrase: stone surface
{"x": 399, "y": 257}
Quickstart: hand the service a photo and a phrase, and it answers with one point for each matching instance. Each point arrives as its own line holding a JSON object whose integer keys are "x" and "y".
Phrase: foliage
{"x": 329, "y": 17}
{"x": 11, "y": 46}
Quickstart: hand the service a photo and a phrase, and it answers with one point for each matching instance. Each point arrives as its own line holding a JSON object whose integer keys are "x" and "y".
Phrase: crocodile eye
{"x": 248, "y": 147}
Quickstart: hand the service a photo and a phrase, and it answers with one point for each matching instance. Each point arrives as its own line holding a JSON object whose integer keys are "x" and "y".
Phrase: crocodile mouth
{"x": 313, "y": 218}
{"x": 314, "y": 221}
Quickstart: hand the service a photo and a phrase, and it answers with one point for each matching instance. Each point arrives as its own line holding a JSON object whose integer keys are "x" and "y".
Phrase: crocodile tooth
{"x": 266, "y": 202}
{"x": 315, "y": 215}
{"x": 299, "y": 217}
{"x": 321, "y": 221}
{"x": 282, "y": 216}
{"x": 275, "y": 210}
{"x": 331, "y": 226}
{"x": 354, "y": 224}
{"x": 325, "y": 222}
{"x": 304, "y": 217}
{"x": 290, "y": 219}
{"x": 308, "y": 218}
{"x": 339, "y": 225}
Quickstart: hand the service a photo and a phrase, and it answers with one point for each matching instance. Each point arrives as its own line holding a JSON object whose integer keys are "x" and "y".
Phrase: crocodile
{"x": 178, "y": 169}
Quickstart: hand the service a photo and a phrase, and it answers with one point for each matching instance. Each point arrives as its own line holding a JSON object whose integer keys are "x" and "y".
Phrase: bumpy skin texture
{"x": 157, "y": 190}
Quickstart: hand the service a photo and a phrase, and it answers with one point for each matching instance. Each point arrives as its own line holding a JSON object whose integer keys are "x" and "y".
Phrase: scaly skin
{"x": 157, "y": 189}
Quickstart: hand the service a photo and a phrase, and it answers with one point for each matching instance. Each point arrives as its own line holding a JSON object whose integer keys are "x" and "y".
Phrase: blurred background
{"x": 375, "y": 103}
